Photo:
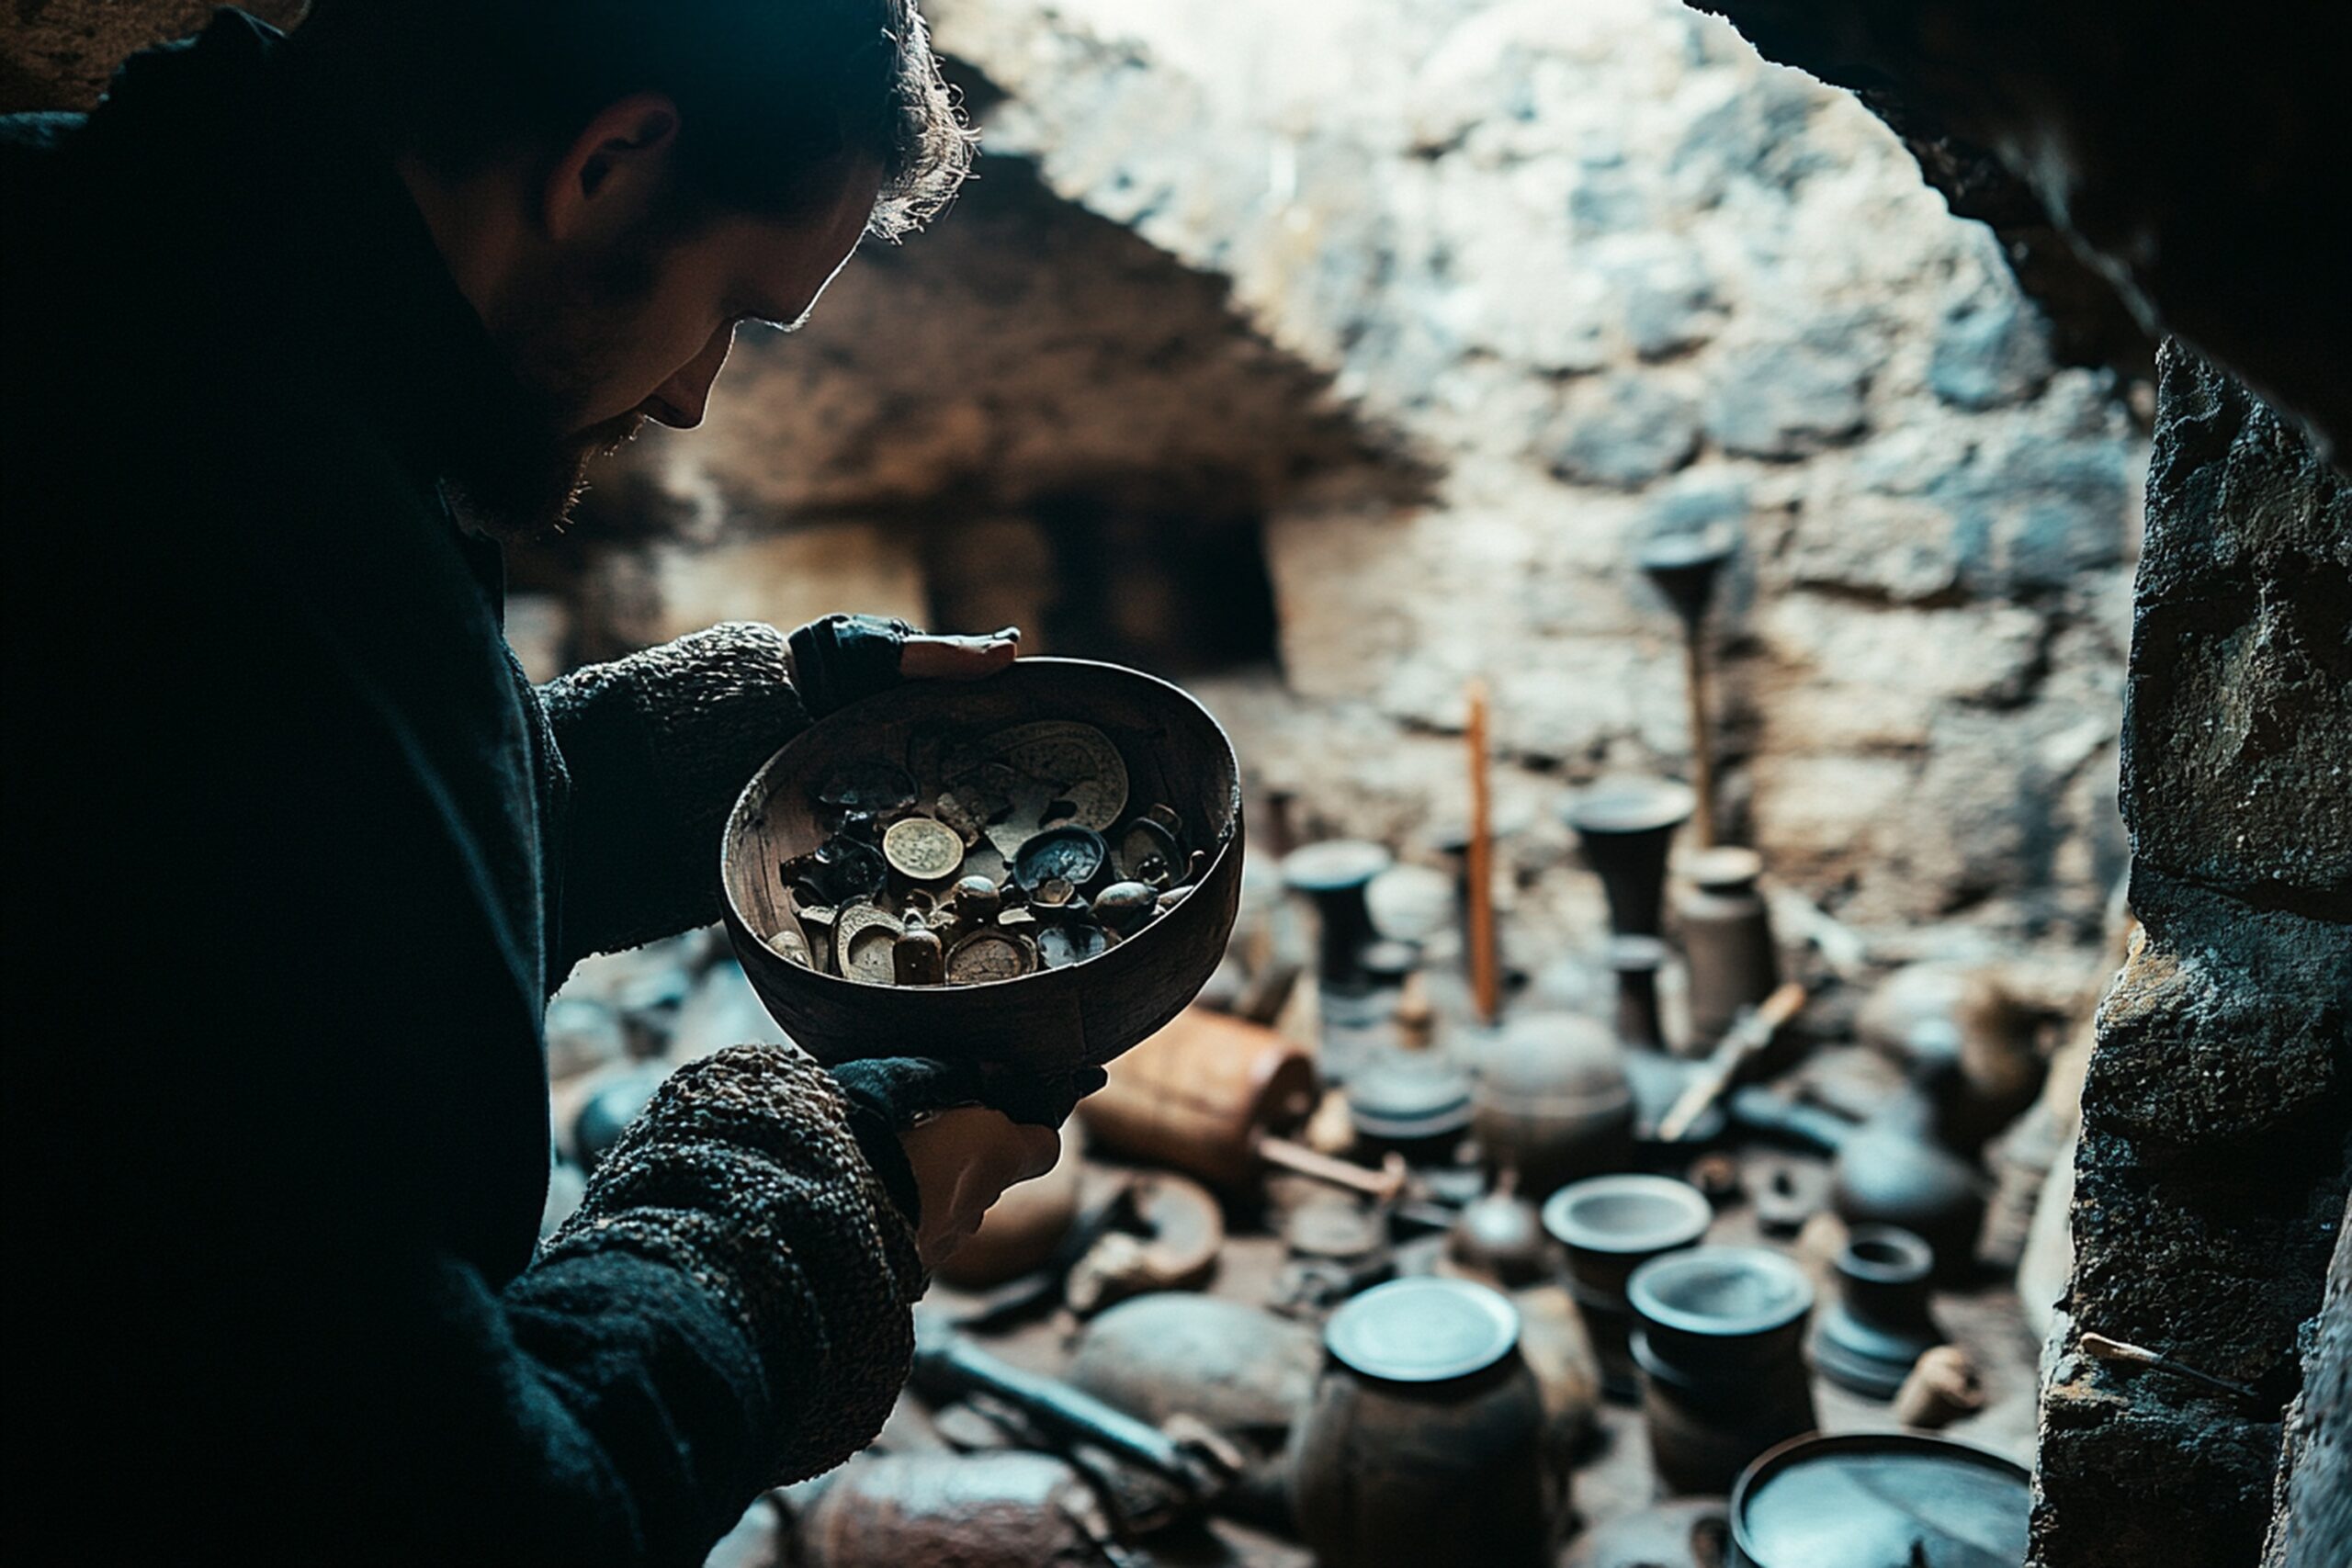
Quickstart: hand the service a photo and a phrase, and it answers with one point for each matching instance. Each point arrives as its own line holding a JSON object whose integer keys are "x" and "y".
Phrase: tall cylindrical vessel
{"x": 1611, "y": 1225}
{"x": 1726, "y": 935}
{"x": 1719, "y": 1336}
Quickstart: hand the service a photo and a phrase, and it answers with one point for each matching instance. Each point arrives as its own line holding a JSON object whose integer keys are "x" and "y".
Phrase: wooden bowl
{"x": 1050, "y": 1020}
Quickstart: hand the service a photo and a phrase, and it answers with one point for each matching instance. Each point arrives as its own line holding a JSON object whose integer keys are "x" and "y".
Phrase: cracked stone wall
{"x": 2217, "y": 1115}
{"x": 1587, "y": 273}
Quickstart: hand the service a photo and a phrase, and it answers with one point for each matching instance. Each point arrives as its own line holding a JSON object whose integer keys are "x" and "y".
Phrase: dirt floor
{"x": 1615, "y": 1477}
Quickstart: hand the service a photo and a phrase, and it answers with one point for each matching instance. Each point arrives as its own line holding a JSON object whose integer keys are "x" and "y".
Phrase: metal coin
{"x": 984, "y": 956}
{"x": 1079, "y": 760}
{"x": 1060, "y": 947}
{"x": 1054, "y": 893}
{"x": 1076, "y": 854}
{"x": 792, "y": 947}
{"x": 863, "y": 938}
{"x": 1148, "y": 853}
{"x": 921, "y": 850}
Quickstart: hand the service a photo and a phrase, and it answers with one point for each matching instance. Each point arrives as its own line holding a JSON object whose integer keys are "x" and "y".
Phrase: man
{"x": 297, "y": 330}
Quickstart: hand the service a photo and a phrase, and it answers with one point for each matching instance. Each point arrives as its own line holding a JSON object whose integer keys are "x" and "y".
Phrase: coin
{"x": 985, "y": 956}
{"x": 1148, "y": 852}
{"x": 1077, "y": 760}
{"x": 1053, "y": 893}
{"x": 923, "y": 850}
{"x": 1060, "y": 947}
{"x": 1076, "y": 854}
{"x": 863, "y": 938}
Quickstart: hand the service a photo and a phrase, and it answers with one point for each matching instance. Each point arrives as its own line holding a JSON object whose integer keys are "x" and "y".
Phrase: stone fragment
{"x": 1787, "y": 400}
{"x": 1624, "y": 432}
{"x": 1992, "y": 348}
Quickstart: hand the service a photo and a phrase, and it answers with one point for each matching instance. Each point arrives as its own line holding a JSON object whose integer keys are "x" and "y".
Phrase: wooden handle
{"x": 1300, "y": 1160}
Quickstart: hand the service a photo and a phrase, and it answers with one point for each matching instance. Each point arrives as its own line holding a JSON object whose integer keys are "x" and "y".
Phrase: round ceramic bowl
{"x": 1047, "y": 1021}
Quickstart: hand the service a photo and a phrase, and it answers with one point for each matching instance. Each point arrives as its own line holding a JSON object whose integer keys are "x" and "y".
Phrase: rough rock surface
{"x": 2217, "y": 1115}
{"x": 1416, "y": 320}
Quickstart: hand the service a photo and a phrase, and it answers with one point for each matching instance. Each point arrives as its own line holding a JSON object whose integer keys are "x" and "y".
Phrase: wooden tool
{"x": 1740, "y": 1045}
{"x": 1486, "y": 980}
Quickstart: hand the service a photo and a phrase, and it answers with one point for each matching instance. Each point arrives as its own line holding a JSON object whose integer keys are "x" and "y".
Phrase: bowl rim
{"x": 1692, "y": 1204}
{"x": 1228, "y": 841}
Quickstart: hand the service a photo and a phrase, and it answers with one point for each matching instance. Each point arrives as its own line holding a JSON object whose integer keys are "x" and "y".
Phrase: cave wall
{"x": 2217, "y": 1115}
{"x": 1606, "y": 272}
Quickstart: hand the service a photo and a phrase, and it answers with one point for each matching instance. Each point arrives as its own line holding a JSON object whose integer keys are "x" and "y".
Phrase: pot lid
{"x": 1881, "y": 1500}
{"x": 1334, "y": 864}
{"x": 1727, "y": 1291}
{"x": 1628, "y": 1213}
{"x": 1399, "y": 1094}
{"x": 1423, "y": 1330}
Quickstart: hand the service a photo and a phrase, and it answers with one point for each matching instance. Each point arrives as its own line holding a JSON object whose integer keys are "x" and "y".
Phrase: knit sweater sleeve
{"x": 744, "y": 1177}
{"x": 656, "y": 747}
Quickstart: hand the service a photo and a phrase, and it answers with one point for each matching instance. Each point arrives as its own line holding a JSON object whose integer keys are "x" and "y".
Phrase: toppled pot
{"x": 1005, "y": 1510}
{"x": 1687, "y": 1532}
{"x": 1199, "y": 1095}
{"x": 1023, "y": 1227}
{"x": 1553, "y": 1102}
{"x": 1719, "y": 1336}
{"x": 1611, "y": 1225}
{"x": 1424, "y": 1441}
{"x": 1244, "y": 1372}
{"x": 1879, "y": 1327}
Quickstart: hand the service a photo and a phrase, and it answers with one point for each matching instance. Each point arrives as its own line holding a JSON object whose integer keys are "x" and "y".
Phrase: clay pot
{"x": 1891, "y": 1171}
{"x": 1719, "y": 1336}
{"x": 1413, "y": 1103}
{"x": 1610, "y": 1226}
{"x": 1553, "y": 1101}
{"x": 1498, "y": 1240}
{"x": 1424, "y": 1441}
{"x": 1880, "y": 1325}
{"x": 1727, "y": 944}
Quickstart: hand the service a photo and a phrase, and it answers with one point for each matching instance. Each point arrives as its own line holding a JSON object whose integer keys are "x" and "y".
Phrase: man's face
{"x": 640, "y": 330}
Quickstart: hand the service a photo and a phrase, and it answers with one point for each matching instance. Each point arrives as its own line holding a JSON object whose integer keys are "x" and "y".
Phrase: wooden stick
{"x": 1297, "y": 1158}
{"x": 1486, "y": 980}
{"x": 1750, "y": 1035}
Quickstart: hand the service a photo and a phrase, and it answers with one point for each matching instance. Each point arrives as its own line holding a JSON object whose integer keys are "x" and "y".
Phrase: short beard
{"x": 531, "y": 497}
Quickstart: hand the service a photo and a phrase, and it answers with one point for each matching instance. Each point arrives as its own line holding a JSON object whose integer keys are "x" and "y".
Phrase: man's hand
{"x": 924, "y": 657}
{"x": 840, "y": 659}
{"x": 963, "y": 1161}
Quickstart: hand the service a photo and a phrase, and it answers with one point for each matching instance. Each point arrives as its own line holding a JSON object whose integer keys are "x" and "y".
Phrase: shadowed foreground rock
{"x": 2210, "y": 1183}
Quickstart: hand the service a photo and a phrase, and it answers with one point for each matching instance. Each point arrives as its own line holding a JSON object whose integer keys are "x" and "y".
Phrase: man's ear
{"x": 615, "y": 171}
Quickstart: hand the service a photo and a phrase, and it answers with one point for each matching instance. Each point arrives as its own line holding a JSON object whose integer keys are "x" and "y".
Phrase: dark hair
{"x": 771, "y": 94}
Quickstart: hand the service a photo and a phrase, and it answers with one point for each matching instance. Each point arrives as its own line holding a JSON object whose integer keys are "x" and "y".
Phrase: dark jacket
{"x": 296, "y": 855}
